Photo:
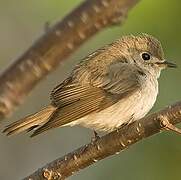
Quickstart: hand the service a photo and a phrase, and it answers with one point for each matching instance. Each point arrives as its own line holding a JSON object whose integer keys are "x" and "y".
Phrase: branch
{"x": 55, "y": 45}
{"x": 110, "y": 144}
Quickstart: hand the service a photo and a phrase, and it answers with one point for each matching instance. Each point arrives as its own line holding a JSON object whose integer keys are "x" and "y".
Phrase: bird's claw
{"x": 165, "y": 124}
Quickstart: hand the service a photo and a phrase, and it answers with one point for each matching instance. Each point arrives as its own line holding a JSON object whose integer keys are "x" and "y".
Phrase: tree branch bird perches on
{"x": 110, "y": 144}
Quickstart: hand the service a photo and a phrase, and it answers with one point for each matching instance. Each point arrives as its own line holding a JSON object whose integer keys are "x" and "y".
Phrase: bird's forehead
{"x": 146, "y": 43}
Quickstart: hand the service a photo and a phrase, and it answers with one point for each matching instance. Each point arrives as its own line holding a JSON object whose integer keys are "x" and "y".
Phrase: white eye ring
{"x": 145, "y": 56}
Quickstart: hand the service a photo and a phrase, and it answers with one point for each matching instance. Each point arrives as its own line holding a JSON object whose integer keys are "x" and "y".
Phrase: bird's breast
{"x": 124, "y": 111}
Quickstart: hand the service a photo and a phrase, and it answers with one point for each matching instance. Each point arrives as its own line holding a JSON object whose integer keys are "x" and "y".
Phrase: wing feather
{"x": 71, "y": 113}
{"x": 75, "y": 99}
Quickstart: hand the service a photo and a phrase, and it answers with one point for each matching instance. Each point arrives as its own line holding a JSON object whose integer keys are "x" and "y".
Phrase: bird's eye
{"x": 145, "y": 56}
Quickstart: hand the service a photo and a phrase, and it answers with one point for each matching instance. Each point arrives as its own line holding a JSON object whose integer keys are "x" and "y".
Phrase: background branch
{"x": 109, "y": 144}
{"x": 55, "y": 45}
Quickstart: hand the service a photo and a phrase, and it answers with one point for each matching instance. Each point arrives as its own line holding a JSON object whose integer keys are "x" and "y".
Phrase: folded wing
{"x": 75, "y": 100}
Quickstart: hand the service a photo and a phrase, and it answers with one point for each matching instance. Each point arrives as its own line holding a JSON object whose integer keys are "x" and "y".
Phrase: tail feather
{"x": 30, "y": 122}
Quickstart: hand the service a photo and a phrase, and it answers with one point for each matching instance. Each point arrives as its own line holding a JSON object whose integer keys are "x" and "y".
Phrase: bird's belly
{"x": 124, "y": 111}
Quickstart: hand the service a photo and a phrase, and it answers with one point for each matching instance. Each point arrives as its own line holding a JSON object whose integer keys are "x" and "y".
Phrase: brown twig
{"x": 55, "y": 45}
{"x": 109, "y": 144}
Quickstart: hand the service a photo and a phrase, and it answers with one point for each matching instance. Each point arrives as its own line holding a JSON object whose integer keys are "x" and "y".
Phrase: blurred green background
{"x": 156, "y": 158}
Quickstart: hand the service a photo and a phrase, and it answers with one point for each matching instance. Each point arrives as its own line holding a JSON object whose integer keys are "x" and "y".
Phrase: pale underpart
{"x": 124, "y": 111}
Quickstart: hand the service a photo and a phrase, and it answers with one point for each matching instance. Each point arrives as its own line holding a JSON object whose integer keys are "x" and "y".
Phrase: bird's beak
{"x": 167, "y": 64}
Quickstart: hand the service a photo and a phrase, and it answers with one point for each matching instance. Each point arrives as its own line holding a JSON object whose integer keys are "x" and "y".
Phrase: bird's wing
{"x": 75, "y": 100}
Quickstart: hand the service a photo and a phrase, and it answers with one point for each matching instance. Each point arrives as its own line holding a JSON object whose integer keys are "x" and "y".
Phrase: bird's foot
{"x": 165, "y": 124}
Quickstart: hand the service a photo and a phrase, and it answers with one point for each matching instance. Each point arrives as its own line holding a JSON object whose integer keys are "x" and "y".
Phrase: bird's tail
{"x": 30, "y": 122}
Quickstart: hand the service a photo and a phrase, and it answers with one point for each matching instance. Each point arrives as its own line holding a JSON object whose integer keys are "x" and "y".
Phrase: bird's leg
{"x": 95, "y": 137}
{"x": 93, "y": 140}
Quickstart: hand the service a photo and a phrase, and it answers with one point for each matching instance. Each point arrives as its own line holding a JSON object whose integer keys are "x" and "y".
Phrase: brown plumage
{"x": 31, "y": 121}
{"x": 107, "y": 78}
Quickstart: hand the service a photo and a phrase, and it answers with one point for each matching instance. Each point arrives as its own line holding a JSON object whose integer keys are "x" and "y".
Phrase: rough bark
{"x": 110, "y": 144}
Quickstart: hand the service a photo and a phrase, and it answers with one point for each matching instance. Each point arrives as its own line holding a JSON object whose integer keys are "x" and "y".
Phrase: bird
{"x": 111, "y": 87}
